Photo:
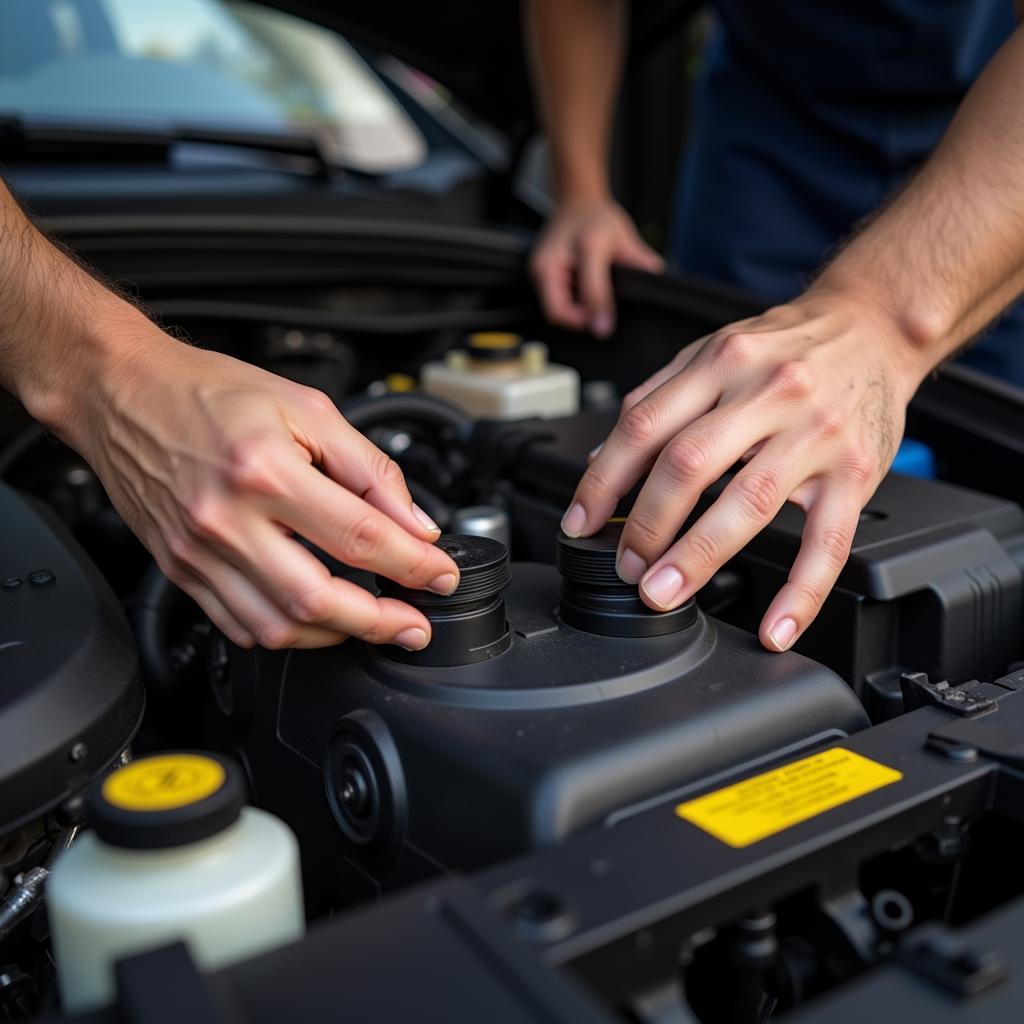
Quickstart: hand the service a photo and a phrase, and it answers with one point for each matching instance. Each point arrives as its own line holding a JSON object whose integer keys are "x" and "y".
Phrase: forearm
{"x": 577, "y": 48}
{"x": 947, "y": 256}
{"x": 61, "y": 332}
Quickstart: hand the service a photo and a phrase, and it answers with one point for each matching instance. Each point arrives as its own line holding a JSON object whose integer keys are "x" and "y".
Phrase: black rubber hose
{"x": 151, "y": 613}
{"x": 365, "y": 412}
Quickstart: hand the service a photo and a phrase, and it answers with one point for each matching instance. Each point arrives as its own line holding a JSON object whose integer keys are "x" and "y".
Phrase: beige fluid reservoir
{"x": 498, "y": 376}
{"x": 174, "y": 855}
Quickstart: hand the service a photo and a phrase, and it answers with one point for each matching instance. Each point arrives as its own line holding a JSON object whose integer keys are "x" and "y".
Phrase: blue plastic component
{"x": 915, "y": 458}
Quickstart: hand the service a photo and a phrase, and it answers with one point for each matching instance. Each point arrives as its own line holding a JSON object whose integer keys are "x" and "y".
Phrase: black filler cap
{"x": 469, "y": 625}
{"x": 594, "y": 598}
{"x": 167, "y": 800}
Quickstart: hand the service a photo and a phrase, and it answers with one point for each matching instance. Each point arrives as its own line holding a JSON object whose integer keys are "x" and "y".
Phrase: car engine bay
{"x": 533, "y": 754}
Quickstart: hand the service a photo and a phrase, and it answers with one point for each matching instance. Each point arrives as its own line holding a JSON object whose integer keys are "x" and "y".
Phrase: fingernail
{"x": 783, "y": 633}
{"x": 425, "y": 520}
{"x": 444, "y": 584}
{"x": 594, "y": 452}
{"x": 630, "y": 566}
{"x": 602, "y": 324}
{"x": 574, "y": 521}
{"x": 663, "y": 586}
{"x": 412, "y": 639}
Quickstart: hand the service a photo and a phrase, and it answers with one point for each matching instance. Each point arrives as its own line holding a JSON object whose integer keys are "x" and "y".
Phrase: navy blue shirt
{"x": 809, "y": 113}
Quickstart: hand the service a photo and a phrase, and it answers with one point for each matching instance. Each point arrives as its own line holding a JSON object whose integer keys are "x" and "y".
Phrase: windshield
{"x": 217, "y": 63}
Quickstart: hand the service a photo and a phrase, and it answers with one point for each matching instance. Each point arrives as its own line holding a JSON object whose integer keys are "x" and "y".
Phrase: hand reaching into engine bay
{"x": 811, "y": 396}
{"x": 213, "y": 463}
{"x": 571, "y": 263}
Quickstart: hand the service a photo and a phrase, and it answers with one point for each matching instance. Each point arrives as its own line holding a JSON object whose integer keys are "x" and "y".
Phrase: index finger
{"x": 356, "y": 533}
{"x": 638, "y": 437}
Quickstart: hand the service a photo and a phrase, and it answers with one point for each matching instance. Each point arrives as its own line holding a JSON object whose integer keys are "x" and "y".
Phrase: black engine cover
{"x": 429, "y": 768}
{"x": 71, "y": 698}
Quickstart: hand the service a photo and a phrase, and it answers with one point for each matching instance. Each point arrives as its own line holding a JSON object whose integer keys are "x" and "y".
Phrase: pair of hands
{"x": 215, "y": 464}
{"x": 810, "y": 395}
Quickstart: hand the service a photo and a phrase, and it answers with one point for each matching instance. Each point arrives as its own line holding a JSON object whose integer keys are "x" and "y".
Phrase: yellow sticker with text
{"x": 163, "y": 782}
{"x": 756, "y": 808}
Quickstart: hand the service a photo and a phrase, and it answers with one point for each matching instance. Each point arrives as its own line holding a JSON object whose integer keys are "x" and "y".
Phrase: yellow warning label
{"x": 163, "y": 782}
{"x": 759, "y": 807}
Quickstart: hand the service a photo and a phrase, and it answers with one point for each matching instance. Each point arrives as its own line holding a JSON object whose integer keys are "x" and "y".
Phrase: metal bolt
{"x": 78, "y": 751}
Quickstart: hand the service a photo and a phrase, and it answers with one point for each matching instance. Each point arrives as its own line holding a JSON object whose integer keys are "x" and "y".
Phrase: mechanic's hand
{"x": 811, "y": 395}
{"x": 214, "y": 463}
{"x": 572, "y": 261}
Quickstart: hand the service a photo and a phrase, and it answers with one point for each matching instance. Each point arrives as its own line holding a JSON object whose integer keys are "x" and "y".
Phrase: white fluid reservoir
{"x": 174, "y": 855}
{"x": 498, "y": 376}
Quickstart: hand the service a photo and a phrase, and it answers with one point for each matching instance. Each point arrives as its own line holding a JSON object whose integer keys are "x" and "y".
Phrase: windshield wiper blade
{"x": 70, "y": 140}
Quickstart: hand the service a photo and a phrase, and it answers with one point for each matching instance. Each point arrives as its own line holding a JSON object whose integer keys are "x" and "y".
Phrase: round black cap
{"x": 596, "y": 600}
{"x": 167, "y": 800}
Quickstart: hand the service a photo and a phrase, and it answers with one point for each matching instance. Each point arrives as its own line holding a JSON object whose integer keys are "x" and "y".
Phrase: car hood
{"x": 474, "y": 49}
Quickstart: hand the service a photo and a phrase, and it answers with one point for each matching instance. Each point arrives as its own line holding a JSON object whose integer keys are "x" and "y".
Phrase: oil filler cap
{"x": 167, "y": 799}
{"x": 594, "y": 599}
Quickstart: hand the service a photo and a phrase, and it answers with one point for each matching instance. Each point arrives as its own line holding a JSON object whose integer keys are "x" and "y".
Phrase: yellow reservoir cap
{"x": 495, "y": 340}
{"x": 494, "y": 346}
{"x": 163, "y": 782}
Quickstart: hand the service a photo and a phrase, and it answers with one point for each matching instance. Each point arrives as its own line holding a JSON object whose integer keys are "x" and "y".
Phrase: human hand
{"x": 571, "y": 263}
{"x": 214, "y": 464}
{"x": 811, "y": 395}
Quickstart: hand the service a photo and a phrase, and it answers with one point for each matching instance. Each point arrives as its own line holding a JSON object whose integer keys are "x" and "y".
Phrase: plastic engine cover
{"x": 71, "y": 698}
{"x": 559, "y": 729}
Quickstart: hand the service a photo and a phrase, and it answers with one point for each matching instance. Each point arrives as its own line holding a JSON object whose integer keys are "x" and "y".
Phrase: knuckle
{"x": 827, "y": 422}
{"x": 311, "y": 606}
{"x": 422, "y": 567}
{"x": 361, "y": 541}
{"x": 858, "y": 467}
{"x": 639, "y": 425}
{"x": 376, "y": 634}
{"x": 595, "y": 482}
{"x": 644, "y": 528}
{"x": 759, "y": 494}
{"x": 812, "y": 591}
{"x": 375, "y": 631}
{"x": 792, "y": 380}
{"x": 182, "y": 551}
{"x": 276, "y": 636}
{"x": 385, "y": 471}
{"x": 249, "y": 468}
{"x": 686, "y": 458}
{"x": 206, "y": 518}
{"x": 319, "y": 403}
{"x": 702, "y": 551}
{"x": 737, "y": 348}
{"x": 834, "y": 543}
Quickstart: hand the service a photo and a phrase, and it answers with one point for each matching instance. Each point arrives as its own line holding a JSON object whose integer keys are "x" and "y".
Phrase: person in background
{"x": 811, "y": 114}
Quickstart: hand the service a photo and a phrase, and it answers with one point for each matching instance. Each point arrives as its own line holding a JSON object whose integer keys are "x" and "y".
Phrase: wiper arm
{"x": 69, "y": 140}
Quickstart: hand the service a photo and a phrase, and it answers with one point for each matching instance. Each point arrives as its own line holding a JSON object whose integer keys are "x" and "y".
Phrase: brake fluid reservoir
{"x": 497, "y": 376}
{"x": 174, "y": 855}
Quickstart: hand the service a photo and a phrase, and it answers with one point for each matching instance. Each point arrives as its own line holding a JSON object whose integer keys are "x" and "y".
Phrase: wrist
{"x": 578, "y": 185}
{"x": 913, "y": 336}
{"x": 86, "y": 351}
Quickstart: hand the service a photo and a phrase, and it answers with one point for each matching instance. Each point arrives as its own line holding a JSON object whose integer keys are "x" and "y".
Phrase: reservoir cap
{"x": 167, "y": 800}
{"x": 494, "y": 346}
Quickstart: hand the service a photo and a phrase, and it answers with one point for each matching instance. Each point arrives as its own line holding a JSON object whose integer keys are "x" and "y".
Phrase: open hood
{"x": 474, "y": 49}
